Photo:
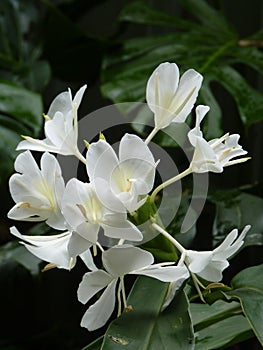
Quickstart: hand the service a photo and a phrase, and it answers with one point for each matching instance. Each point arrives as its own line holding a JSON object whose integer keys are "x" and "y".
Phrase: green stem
{"x": 151, "y": 135}
{"x": 170, "y": 238}
{"x": 169, "y": 182}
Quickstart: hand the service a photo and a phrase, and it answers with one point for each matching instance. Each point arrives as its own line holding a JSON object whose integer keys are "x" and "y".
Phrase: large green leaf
{"x": 227, "y": 332}
{"x": 236, "y": 209}
{"x": 248, "y": 288}
{"x": 211, "y": 46}
{"x": 146, "y": 327}
{"x": 20, "y": 113}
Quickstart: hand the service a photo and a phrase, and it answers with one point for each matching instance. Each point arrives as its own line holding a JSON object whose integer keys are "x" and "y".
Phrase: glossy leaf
{"x": 227, "y": 332}
{"x": 17, "y": 252}
{"x": 248, "y": 289}
{"x": 145, "y": 327}
{"x": 214, "y": 46}
{"x": 235, "y": 209}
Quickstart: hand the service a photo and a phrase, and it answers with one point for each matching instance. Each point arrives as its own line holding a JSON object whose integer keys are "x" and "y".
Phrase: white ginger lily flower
{"x": 129, "y": 177}
{"x": 216, "y": 154}
{"x": 37, "y": 191}
{"x": 85, "y": 214}
{"x": 55, "y": 249}
{"x": 210, "y": 264}
{"x": 119, "y": 261}
{"x": 171, "y": 99}
{"x": 61, "y": 127}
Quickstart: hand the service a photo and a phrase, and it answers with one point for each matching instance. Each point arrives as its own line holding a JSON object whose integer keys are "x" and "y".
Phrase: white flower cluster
{"x": 118, "y": 186}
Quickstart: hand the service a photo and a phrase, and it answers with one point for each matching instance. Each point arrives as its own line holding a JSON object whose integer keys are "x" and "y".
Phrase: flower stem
{"x": 170, "y": 238}
{"x": 169, "y": 182}
{"x": 151, "y": 135}
{"x": 80, "y": 156}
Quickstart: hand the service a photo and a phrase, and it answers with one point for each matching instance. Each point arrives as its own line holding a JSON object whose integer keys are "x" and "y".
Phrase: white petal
{"x": 213, "y": 271}
{"x": 53, "y": 249}
{"x": 162, "y": 85}
{"x": 165, "y": 274}
{"x": 92, "y": 283}
{"x": 37, "y": 145}
{"x": 98, "y": 314}
{"x": 78, "y": 245}
{"x": 79, "y": 95}
{"x": 122, "y": 259}
{"x": 133, "y": 147}
{"x": 61, "y": 103}
{"x": 196, "y": 131}
{"x": 123, "y": 230}
{"x": 186, "y": 95}
{"x": 87, "y": 258}
{"x": 204, "y": 158}
{"x": 197, "y": 261}
{"x": 101, "y": 160}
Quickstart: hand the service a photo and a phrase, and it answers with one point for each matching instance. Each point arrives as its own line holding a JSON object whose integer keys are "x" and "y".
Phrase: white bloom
{"x": 85, "y": 213}
{"x": 210, "y": 264}
{"x": 56, "y": 249}
{"x": 129, "y": 177}
{"x": 37, "y": 192}
{"x": 171, "y": 99}
{"x": 61, "y": 128}
{"x": 119, "y": 261}
{"x": 216, "y": 154}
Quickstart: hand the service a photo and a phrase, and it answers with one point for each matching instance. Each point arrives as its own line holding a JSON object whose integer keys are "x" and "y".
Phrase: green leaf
{"x": 17, "y": 252}
{"x": 208, "y": 16}
{"x": 204, "y": 315}
{"x": 140, "y": 12}
{"x": 145, "y": 327}
{"x": 95, "y": 345}
{"x": 20, "y": 113}
{"x": 224, "y": 333}
{"x": 236, "y": 209}
{"x": 249, "y": 101}
{"x": 23, "y": 105}
{"x": 248, "y": 288}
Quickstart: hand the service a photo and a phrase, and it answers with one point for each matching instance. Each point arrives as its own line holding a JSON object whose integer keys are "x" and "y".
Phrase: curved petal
{"x": 162, "y": 85}
{"x": 123, "y": 230}
{"x": 198, "y": 261}
{"x": 101, "y": 160}
{"x": 53, "y": 249}
{"x": 87, "y": 258}
{"x": 133, "y": 147}
{"x": 165, "y": 274}
{"x": 37, "y": 145}
{"x": 98, "y": 314}
{"x": 61, "y": 103}
{"x": 186, "y": 95}
{"x": 122, "y": 259}
{"x": 79, "y": 94}
{"x": 78, "y": 245}
{"x": 196, "y": 131}
{"x": 92, "y": 283}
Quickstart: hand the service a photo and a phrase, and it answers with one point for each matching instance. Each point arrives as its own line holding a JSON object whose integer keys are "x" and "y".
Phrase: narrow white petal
{"x": 165, "y": 274}
{"x": 37, "y": 145}
{"x": 53, "y": 249}
{"x": 196, "y": 131}
{"x": 87, "y": 258}
{"x": 98, "y": 314}
{"x": 186, "y": 95}
{"x": 79, "y": 95}
{"x": 78, "y": 245}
